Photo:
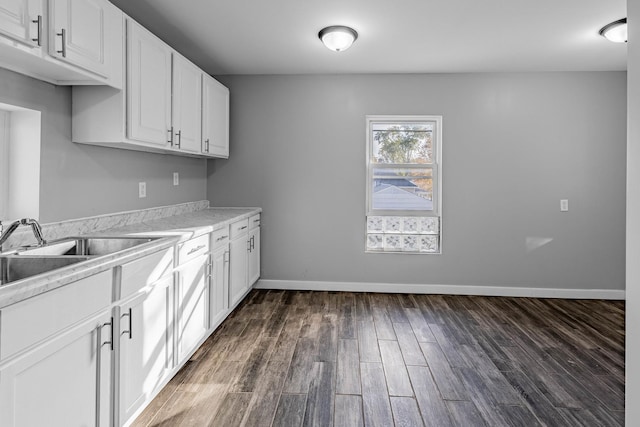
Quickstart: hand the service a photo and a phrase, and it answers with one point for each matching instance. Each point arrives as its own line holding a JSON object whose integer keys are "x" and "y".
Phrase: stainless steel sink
{"x": 17, "y": 267}
{"x": 28, "y": 262}
{"x": 88, "y": 246}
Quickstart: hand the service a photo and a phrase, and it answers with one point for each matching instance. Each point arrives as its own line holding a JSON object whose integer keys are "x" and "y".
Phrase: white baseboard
{"x": 502, "y": 291}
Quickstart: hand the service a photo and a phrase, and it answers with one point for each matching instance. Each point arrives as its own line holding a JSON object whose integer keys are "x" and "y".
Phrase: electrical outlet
{"x": 564, "y": 205}
{"x": 142, "y": 190}
{"x": 176, "y": 178}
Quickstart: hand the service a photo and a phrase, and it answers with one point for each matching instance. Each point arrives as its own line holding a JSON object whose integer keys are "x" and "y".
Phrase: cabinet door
{"x": 215, "y": 117}
{"x": 79, "y": 32}
{"x": 65, "y": 382}
{"x": 17, "y": 21}
{"x": 219, "y": 286}
{"x": 254, "y": 256}
{"x": 145, "y": 346}
{"x": 148, "y": 87}
{"x": 192, "y": 303}
{"x": 187, "y": 105}
{"x": 238, "y": 269}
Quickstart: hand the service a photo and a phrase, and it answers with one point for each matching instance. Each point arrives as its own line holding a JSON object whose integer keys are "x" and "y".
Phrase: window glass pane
{"x": 398, "y": 143}
{"x": 402, "y": 189}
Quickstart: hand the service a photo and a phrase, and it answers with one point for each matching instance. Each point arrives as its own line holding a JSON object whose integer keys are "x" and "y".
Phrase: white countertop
{"x": 172, "y": 229}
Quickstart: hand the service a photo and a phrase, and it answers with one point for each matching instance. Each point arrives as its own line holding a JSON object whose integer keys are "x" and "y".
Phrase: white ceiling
{"x": 395, "y": 36}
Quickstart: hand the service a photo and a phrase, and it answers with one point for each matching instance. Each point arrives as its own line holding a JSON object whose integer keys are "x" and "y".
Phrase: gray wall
{"x": 80, "y": 180}
{"x": 632, "y": 394}
{"x": 514, "y": 145}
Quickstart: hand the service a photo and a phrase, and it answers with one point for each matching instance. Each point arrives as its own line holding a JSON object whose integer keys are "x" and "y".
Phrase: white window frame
{"x": 4, "y": 163}
{"x": 435, "y": 167}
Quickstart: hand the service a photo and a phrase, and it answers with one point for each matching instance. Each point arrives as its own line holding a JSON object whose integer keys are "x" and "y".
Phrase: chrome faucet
{"x": 35, "y": 227}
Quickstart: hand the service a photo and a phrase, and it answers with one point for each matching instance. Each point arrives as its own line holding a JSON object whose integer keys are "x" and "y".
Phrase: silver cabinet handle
{"x": 130, "y": 316}
{"x": 221, "y": 238}
{"x": 196, "y": 249}
{"x": 179, "y": 135}
{"x": 226, "y": 257}
{"x": 206, "y": 144}
{"x": 38, "y": 39}
{"x": 209, "y": 270}
{"x": 110, "y": 342}
{"x": 63, "y": 35}
{"x": 170, "y": 141}
{"x": 242, "y": 228}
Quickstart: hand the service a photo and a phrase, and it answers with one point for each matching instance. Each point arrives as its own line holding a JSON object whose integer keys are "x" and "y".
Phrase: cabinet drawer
{"x": 192, "y": 248}
{"x": 254, "y": 221}
{"x": 30, "y": 321}
{"x": 145, "y": 271}
{"x": 239, "y": 228}
{"x": 220, "y": 237}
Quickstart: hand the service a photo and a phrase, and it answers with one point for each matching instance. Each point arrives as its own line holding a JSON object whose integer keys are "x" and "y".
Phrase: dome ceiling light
{"x": 616, "y": 31}
{"x": 338, "y": 37}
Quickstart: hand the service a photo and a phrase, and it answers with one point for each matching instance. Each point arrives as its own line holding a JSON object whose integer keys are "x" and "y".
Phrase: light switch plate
{"x": 564, "y": 205}
{"x": 176, "y": 178}
{"x": 142, "y": 190}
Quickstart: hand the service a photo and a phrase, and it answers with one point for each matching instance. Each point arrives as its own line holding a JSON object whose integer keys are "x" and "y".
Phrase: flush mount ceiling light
{"x": 616, "y": 31}
{"x": 338, "y": 37}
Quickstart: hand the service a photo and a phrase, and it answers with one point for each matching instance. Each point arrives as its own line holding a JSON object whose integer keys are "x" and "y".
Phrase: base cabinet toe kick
{"x": 95, "y": 352}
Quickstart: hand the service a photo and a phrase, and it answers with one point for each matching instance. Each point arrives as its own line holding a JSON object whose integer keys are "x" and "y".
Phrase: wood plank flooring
{"x": 350, "y": 359}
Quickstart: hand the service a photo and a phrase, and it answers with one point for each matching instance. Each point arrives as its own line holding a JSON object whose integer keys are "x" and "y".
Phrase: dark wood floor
{"x": 347, "y": 359}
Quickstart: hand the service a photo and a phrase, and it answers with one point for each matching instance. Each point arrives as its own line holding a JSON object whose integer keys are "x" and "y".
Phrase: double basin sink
{"x": 24, "y": 263}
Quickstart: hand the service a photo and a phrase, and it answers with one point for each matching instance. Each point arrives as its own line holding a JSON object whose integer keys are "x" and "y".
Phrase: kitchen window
{"x": 20, "y": 130}
{"x": 4, "y": 163}
{"x": 404, "y": 184}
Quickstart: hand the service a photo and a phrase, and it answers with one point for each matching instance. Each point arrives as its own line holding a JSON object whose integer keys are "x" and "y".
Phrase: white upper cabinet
{"x": 149, "y": 87}
{"x": 79, "y": 32}
{"x": 64, "y": 42}
{"x": 215, "y": 118}
{"x": 21, "y": 20}
{"x": 187, "y": 103}
{"x": 168, "y": 104}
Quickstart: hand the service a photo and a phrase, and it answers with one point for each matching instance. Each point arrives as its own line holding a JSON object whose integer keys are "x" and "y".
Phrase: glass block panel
{"x": 410, "y": 243}
{"x": 429, "y": 225}
{"x": 392, "y": 224}
{"x": 375, "y": 224}
{"x": 428, "y": 243}
{"x": 375, "y": 242}
{"x": 392, "y": 242}
{"x": 410, "y": 224}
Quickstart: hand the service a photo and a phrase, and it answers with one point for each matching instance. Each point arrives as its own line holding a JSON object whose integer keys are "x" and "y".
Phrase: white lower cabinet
{"x": 64, "y": 382}
{"x": 144, "y": 325}
{"x": 145, "y": 349}
{"x": 219, "y": 278}
{"x": 192, "y": 306}
{"x": 56, "y": 355}
{"x": 245, "y": 258}
{"x": 253, "y": 262}
{"x": 95, "y": 352}
{"x": 239, "y": 256}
